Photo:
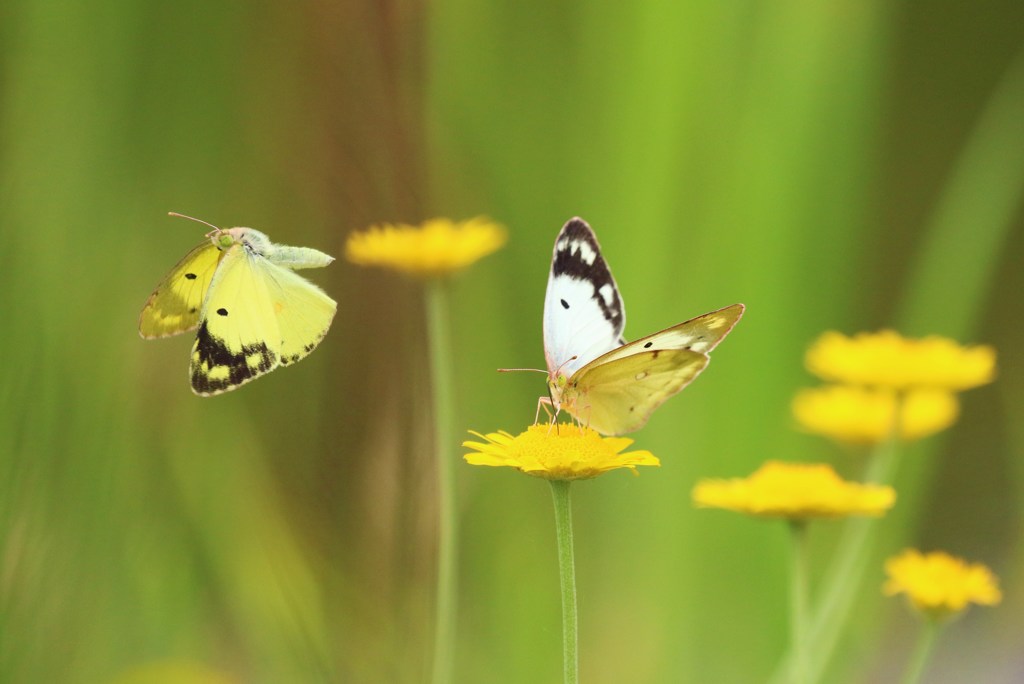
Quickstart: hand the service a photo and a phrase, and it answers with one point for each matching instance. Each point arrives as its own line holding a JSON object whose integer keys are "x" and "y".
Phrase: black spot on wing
{"x": 565, "y": 304}
{"x": 211, "y": 352}
{"x": 578, "y": 256}
{"x": 191, "y": 276}
{"x": 222, "y": 311}
{"x": 648, "y": 345}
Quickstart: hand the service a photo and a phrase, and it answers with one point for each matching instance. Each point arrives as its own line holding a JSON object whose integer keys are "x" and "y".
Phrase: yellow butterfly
{"x": 252, "y": 311}
{"x": 604, "y": 382}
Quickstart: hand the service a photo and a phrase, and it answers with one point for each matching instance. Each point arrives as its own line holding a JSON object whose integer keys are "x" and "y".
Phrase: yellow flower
{"x": 940, "y": 585}
{"x": 796, "y": 491}
{"x": 861, "y": 415}
{"x": 886, "y": 359}
{"x": 559, "y": 452}
{"x": 435, "y": 248}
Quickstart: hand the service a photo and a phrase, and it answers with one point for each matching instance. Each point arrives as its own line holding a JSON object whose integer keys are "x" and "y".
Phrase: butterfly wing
{"x": 617, "y": 392}
{"x": 618, "y": 396}
{"x": 304, "y": 312}
{"x": 700, "y": 334}
{"x": 175, "y": 304}
{"x": 239, "y": 338}
{"x": 583, "y": 312}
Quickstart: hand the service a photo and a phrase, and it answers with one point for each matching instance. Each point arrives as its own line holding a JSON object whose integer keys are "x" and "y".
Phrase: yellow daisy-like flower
{"x": 797, "y": 491}
{"x": 435, "y": 248}
{"x": 860, "y": 415}
{"x": 560, "y": 452}
{"x": 886, "y": 359}
{"x": 940, "y": 585}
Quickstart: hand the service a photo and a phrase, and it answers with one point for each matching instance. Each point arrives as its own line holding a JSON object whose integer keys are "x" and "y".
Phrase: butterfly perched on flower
{"x": 604, "y": 382}
{"x": 253, "y": 313}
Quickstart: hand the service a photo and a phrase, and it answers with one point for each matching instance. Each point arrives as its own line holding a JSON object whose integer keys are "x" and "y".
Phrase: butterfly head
{"x": 253, "y": 240}
{"x": 558, "y": 381}
{"x": 222, "y": 239}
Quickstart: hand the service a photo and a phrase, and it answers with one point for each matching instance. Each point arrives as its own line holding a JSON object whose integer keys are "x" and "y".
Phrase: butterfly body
{"x": 252, "y": 313}
{"x": 604, "y": 382}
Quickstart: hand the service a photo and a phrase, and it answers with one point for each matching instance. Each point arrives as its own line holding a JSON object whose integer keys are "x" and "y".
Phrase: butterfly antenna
{"x": 559, "y": 369}
{"x": 190, "y": 218}
{"x": 537, "y": 370}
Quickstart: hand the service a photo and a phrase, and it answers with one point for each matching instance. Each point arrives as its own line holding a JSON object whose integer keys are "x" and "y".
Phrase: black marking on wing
{"x": 213, "y": 353}
{"x": 191, "y": 276}
{"x": 285, "y": 360}
{"x": 569, "y": 261}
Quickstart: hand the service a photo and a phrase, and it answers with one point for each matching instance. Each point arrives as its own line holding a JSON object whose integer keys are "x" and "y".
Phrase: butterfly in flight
{"x": 253, "y": 313}
{"x": 604, "y": 382}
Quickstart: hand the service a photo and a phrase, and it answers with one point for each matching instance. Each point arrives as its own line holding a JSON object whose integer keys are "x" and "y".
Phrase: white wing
{"x": 583, "y": 312}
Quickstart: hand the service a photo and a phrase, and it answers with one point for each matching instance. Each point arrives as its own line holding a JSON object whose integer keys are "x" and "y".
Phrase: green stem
{"x": 567, "y": 573}
{"x": 922, "y": 652}
{"x": 798, "y": 601}
{"x": 846, "y": 572}
{"x": 441, "y": 383}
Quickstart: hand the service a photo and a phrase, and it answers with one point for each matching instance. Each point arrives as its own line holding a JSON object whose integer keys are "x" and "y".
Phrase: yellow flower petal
{"x": 435, "y": 248}
{"x": 886, "y": 359}
{"x": 559, "y": 452}
{"x": 860, "y": 415}
{"x": 797, "y": 491}
{"x": 940, "y": 585}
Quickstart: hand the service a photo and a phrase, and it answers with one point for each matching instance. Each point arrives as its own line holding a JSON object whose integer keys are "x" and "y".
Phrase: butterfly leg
{"x": 546, "y": 403}
{"x": 552, "y": 417}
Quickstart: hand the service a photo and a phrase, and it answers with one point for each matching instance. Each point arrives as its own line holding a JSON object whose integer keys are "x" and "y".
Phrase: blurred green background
{"x": 838, "y": 165}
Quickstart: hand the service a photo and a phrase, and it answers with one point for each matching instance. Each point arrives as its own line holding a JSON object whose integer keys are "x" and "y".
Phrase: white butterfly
{"x": 604, "y": 382}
